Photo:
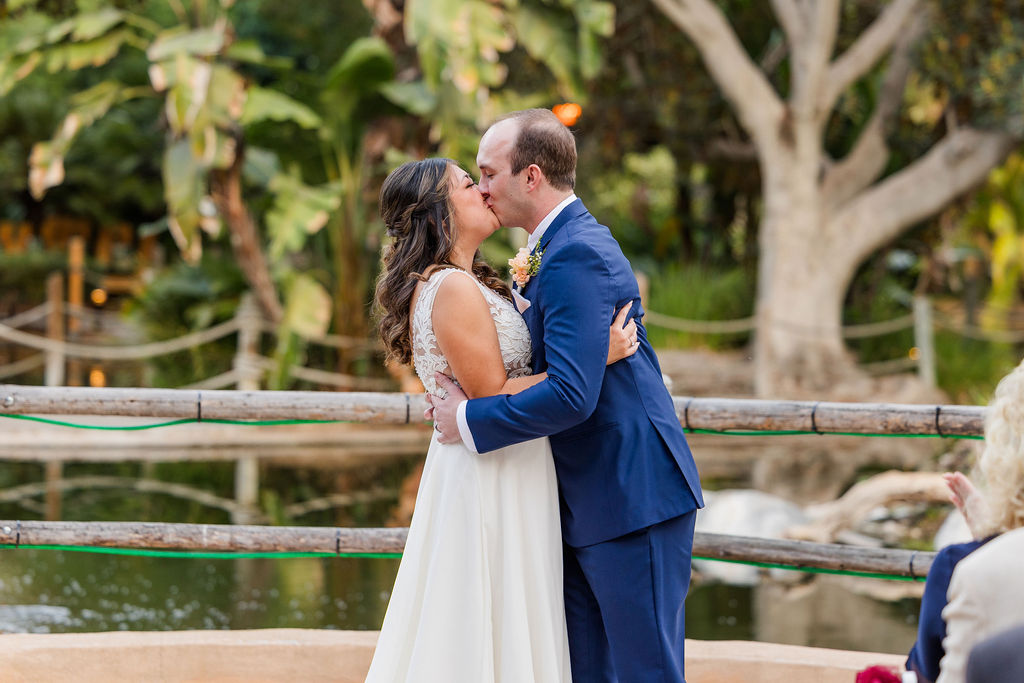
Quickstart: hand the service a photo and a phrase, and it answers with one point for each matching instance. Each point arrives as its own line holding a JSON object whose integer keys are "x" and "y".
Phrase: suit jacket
{"x": 998, "y": 658}
{"x": 986, "y": 596}
{"x": 620, "y": 454}
{"x": 927, "y": 651}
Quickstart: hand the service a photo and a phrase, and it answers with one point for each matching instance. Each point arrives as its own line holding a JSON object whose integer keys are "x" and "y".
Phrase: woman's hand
{"x": 968, "y": 500}
{"x": 622, "y": 341}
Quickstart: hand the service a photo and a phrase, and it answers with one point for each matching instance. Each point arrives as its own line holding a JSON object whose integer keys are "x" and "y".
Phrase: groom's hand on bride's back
{"x": 445, "y": 409}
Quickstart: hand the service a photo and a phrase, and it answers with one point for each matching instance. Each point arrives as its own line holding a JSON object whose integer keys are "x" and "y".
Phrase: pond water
{"x": 49, "y": 591}
{"x": 52, "y": 591}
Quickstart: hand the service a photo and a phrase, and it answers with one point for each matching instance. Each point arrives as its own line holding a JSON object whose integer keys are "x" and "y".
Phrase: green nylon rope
{"x": 285, "y": 555}
{"x": 265, "y": 423}
{"x": 814, "y": 570}
{"x": 198, "y": 554}
{"x": 171, "y": 423}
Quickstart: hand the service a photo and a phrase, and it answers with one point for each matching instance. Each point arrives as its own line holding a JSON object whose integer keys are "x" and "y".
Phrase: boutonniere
{"x": 524, "y": 265}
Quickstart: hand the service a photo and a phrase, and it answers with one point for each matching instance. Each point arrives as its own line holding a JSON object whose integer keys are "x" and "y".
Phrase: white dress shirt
{"x": 531, "y": 243}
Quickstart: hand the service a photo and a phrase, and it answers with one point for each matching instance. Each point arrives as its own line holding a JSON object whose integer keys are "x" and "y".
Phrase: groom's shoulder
{"x": 585, "y": 228}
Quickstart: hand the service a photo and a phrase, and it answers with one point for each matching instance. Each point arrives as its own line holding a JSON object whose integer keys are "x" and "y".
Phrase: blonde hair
{"x": 1001, "y": 464}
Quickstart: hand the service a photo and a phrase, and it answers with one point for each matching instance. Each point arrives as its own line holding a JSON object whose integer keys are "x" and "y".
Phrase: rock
{"x": 953, "y": 530}
{"x": 745, "y": 513}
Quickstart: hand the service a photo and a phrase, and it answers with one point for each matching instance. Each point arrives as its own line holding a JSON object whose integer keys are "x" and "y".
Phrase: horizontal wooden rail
{"x": 226, "y": 537}
{"x": 724, "y": 414}
{"x": 804, "y": 554}
{"x": 713, "y": 414}
{"x": 374, "y": 408}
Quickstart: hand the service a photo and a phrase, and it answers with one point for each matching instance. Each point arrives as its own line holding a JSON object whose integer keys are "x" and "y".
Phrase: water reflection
{"x": 45, "y": 591}
{"x": 870, "y": 615}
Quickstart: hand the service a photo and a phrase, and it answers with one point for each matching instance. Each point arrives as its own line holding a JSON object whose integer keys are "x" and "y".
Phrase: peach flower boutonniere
{"x": 524, "y": 266}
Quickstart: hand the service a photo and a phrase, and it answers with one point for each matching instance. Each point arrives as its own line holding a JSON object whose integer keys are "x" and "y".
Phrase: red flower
{"x": 878, "y": 674}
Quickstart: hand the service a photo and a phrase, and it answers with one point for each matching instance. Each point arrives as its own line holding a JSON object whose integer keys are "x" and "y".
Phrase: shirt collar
{"x": 543, "y": 225}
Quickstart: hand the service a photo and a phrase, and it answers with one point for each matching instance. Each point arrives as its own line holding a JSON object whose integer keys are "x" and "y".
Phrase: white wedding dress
{"x": 478, "y": 597}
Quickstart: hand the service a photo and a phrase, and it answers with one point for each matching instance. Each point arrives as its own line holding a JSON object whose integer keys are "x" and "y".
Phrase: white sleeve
{"x": 467, "y": 436}
{"x": 966, "y": 622}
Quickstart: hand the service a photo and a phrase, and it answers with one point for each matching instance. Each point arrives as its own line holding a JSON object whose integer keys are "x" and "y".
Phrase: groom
{"x": 629, "y": 489}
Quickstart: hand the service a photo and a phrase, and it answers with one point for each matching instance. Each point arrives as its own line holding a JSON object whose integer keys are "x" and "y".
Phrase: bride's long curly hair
{"x": 415, "y": 203}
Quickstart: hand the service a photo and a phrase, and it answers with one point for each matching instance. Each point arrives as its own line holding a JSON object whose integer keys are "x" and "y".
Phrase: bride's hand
{"x": 968, "y": 500}
{"x": 622, "y": 341}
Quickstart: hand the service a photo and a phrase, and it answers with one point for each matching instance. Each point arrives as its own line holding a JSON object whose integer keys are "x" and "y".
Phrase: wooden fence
{"x": 695, "y": 414}
{"x": 338, "y": 540}
{"x": 714, "y": 414}
{"x": 56, "y": 354}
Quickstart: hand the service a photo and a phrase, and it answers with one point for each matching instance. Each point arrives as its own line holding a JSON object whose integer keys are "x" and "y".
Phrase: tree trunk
{"x": 798, "y": 346}
{"x": 226, "y": 188}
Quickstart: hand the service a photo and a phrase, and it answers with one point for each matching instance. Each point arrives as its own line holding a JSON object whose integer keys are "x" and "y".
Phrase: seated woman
{"x": 986, "y": 597}
{"x": 1000, "y": 469}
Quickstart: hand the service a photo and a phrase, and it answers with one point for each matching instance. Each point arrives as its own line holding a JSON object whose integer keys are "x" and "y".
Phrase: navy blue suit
{"x": 628, "y": 485}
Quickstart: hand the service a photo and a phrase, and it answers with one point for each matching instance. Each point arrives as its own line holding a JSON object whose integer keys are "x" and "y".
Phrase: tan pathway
{"x": 343, "y": 656}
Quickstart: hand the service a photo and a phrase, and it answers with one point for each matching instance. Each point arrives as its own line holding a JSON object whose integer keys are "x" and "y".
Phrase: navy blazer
{"x": 620, "y": 453}
{"x": 927, "y": 651}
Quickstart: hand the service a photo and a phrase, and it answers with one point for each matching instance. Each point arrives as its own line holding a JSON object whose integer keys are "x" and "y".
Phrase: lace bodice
{"x": 513, "y": 336}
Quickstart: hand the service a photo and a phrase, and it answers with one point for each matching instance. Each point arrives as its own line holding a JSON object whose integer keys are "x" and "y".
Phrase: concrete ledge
{"x": 216, "y": 656}
{"x": 343, "y": 656}
{"x": 740, "y": 661}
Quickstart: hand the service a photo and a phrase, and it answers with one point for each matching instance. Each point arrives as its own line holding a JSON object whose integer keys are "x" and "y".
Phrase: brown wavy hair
{"x": 415, "y": 203}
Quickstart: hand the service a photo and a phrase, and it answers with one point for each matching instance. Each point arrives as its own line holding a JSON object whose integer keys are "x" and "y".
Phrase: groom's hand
{"x": 445, "y": 410}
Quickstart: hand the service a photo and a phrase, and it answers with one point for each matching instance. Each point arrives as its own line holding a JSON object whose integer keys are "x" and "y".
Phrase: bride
{"x": 478, "y": 596}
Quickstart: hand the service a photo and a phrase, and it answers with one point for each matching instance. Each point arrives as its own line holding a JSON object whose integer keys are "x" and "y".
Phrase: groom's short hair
{"x": 543, "y": 140}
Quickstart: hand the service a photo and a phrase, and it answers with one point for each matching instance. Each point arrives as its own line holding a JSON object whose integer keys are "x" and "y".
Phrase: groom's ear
{"x": 534, "y": 176}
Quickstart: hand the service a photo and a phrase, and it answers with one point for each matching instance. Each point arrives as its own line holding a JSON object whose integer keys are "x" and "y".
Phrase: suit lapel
{"x": 533, "y": 317}
{"x": 574, "y": 210}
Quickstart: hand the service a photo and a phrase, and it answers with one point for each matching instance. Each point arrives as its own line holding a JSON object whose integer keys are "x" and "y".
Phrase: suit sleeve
{"x": 576, "y": 312}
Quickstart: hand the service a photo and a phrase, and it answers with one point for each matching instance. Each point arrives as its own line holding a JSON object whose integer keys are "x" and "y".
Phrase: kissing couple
{"x": 553, "y": 528}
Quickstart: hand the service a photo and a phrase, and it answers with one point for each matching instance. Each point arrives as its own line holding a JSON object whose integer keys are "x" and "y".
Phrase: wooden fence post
{"x": 54, "y": 374}
{"x": 76, "y": 299}
{"x": 924, "y": 340}
{"x": 247, "y": 469}
{"x": 643, "y": 283}
{"x": 54, "y": 377}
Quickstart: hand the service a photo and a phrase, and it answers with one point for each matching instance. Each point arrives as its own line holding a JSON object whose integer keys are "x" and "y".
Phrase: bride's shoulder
{"x": 440, "y": 272}
{"x": 457, "y": 291}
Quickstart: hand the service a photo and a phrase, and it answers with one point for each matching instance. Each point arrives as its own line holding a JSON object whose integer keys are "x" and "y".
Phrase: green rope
{"x": 814, "y": 570}
{"x": 271, "y": 423}
{"x": 198, "y": 555}
{"x": 171, "y": 423}
{"x": 286, "y": 555}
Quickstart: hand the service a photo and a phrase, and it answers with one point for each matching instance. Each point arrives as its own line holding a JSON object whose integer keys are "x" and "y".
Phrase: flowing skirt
{"x": 478, "y": 596}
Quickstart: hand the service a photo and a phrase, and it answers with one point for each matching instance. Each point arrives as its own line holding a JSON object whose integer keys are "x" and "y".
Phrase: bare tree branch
{"x": 867, "y": 50}
{"x": 870, "y": 153}
{"x": 811, "y": 61}
{"x": 791, "y": 18}
{"x": 958, "y": 163}
{"x": 756, "y": 103}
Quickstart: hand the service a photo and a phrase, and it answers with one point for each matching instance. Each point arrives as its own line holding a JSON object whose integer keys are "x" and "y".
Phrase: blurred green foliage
{"x": 700, "y": 293}
{"x": 339, "y": 97}
{"x": 187, "y": 298}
